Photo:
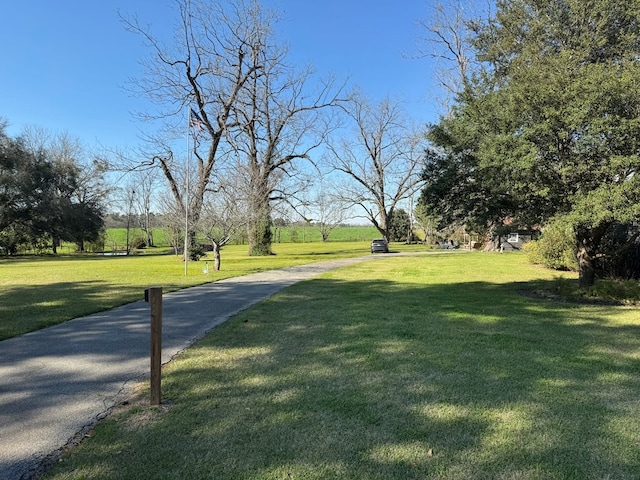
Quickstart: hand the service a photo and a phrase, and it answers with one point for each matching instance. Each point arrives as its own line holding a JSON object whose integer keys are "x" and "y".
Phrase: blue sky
{"x": 65, "y": 63}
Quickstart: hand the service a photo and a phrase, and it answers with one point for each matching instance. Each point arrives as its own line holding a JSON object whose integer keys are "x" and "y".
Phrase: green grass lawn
{"x": 425, "y": 367}
{"x": 116, "y": 238}
{"x": 37, "y": 292}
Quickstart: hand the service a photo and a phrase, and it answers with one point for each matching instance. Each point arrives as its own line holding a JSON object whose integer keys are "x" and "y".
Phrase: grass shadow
{"x": 28, "y": 308}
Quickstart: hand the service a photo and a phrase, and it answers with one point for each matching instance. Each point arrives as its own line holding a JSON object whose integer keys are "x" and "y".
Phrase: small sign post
{"x": 153, "y": 296}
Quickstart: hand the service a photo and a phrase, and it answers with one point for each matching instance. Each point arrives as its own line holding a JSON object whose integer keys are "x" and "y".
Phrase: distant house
{"x": 516, "y": 239}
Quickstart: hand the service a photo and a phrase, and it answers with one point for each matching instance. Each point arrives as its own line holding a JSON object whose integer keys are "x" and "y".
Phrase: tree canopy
{"x": 549, "y": 125}
{"x": 45, "y": 197}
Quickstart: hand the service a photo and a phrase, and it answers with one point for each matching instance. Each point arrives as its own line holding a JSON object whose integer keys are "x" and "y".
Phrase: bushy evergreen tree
{"x": 41, "y": 199}
{"x": 550, "y": 125}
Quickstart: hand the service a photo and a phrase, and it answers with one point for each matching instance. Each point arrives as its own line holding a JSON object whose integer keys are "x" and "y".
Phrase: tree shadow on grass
{"x": 371, "y": 379}
{"x": 27, "y": 308}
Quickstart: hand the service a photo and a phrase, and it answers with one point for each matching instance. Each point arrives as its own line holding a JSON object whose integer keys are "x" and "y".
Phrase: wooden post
{"x": 154, "y": 297}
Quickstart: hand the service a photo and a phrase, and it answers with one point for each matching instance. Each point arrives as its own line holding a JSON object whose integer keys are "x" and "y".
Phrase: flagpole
{"x": 186, "y": 202}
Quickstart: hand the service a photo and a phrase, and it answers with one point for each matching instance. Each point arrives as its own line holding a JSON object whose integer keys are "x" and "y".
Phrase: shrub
{"x": 97, "y": 245}
{"x": 196, "y": 252}
{"x": 138, "y": 243}
{"x": 556, "y": 248}
{"x": 620, "y": 252}
{"x": 616, "y": 289}
{"x": 10, "y": 241}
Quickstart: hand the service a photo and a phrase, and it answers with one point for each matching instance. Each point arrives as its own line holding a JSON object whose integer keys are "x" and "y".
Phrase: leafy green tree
{"x": 45, "y": 195}
{"x": 457, "y": 190}
{"x": 77, "y": 188}
{"x": 83, "y": 222}
{"x": 83, "y": 211}
{"x": 551, "y": 125}
{"x": 399, "y": 226}
{"x": 26, "y": 193}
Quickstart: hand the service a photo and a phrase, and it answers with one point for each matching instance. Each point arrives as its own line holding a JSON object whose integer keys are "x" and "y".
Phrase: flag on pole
{"x": 195, "y": 120}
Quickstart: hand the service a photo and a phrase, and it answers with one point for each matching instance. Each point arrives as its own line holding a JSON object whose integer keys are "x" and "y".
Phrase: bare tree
{"x": 382, "y": 160}
{"x": 224, "y": 215}
{"x": 326, "y": 205}
{"x": 227, "y": 65}
{"x": 202, "y": 73}
{"x": 331, "y": 214}
{"x": 146, "y": 183}
{"x": 129, "y": 196}
{"x": 446, "y": 39}
{"x": 173, "y": 222}
{"x": 136, "y": 198}
{"x": 280, "y": 120}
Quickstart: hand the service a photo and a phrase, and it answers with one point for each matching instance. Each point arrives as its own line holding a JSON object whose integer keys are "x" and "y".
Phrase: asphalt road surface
{"x": 56, "y": 383}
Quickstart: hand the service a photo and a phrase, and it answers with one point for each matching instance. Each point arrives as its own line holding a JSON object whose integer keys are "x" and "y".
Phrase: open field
{"x": 426, "y": 367}
{"x": 36, "y": 292}
{"x": 115, "y": 238}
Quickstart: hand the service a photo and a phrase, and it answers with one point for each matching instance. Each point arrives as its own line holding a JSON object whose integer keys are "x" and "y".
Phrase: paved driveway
{"x": 57, "y": 382}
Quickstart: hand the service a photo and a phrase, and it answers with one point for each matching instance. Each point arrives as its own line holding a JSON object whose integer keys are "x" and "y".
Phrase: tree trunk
{"x": 259, "y": 233}
{"x": 585, "y": 253}
{"x": 189, "y": 242}
{"x": 588, "y": 240}
{"x": 382, "y": 225}
{"x": 216, "y": 257}
{"x": 586, "y": 271}
{"x": 385, "y": 222}
{"x": 259, "y": 225}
